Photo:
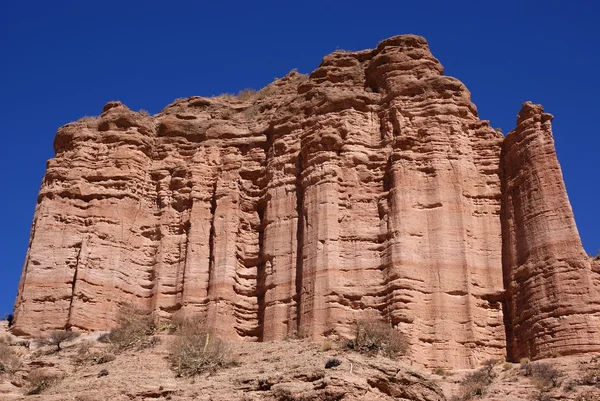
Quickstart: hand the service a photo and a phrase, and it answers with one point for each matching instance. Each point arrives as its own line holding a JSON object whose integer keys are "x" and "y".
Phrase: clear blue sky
{"x": 62, "y": 60}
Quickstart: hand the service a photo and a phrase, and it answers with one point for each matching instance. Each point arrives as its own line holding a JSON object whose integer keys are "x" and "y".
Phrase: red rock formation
{"x": 553, "y": 305}
{"x": 369, "y": 188}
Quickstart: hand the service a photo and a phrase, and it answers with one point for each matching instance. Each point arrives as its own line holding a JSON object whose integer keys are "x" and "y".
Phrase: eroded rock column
{"x": 553, "y": 306}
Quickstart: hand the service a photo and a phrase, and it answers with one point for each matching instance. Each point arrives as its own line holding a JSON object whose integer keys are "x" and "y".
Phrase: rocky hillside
{"x": 291, "y": 370}
{"x": 369, "y": 188}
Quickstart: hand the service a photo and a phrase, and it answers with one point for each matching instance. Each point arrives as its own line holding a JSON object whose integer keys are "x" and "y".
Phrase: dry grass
{"x": 283, "y": 394}
{"x": 9, "y": 362}
{"x": 440, "y": 371}
{"x": 135, "y": 327}
{"x": 246, "y": 94}
{"x": 378, "y": 337}
{"x": 326, "y": 345}
{"x": 194, "y": 350}
{"x": 86, "y": 119}
{"x": 39, "y": 381}
{"x": 88, "y": 354}
{"x": 227, "y": 114}
{"x": 590, "y": 374}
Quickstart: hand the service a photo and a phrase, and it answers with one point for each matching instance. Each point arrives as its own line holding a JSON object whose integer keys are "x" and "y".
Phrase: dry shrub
{"x": 195, "y": 350}
{"x": 375, "y": 336}
{"x": 227, "y": 114}
{"x": 590, "y": 374}
{"x": 476, "y": 383}
{"x": 246, "y": 94}
{"x": 284, "y": 394}
{"x": 543, "y": 375}
{"x": 507, "y": 366}
{"x": 58, "y": 337}
{"x": 440, "y": 371}
{"x": 86, "y": 119}
{"x": 135, "y": 327}
{"x": 87, "y": 354}
{"x": 326, "y": 345}
{"x": 9, "y": 362}
{"x": 40, "y": 381}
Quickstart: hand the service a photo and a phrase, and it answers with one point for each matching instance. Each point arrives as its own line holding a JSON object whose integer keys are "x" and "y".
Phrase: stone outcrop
{"x": 553, "y": 303}
{"x": 368, "y": 189}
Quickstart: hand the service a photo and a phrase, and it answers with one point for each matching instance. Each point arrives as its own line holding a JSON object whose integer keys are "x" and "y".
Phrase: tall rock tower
{"x": 553, "y": 304}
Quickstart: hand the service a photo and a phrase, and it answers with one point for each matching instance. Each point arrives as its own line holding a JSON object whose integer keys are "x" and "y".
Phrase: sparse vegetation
{"x": 499, "y": 130}
{"x": 507, "y": 366}
{"x": 86, "y": 119}
{"x": 378, "y": 337}
{"x": 246, "y": 94}
{"x": 87, "y": 354}
{"x": 284, "y": 394}
{"x": 251, "y": 111}
{"x": 9, "y": 362}
{"x": 195, "y": 350}
{"x": 144, "y": 113}
{"x": 440, "y": 371}
{"x": 227, "y": 114}
{"x": 543, "y": 375}
{"x": 57, "y": 337}
{"x": 476, "y": 383}
{"x": 326, "y": 345}
{"x": 590, "y": 373}
{"x": 40, "y": 381}
{"x": 135, "y": 327}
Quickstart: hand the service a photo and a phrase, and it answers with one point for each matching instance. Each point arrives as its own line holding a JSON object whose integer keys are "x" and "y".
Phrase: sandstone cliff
{"x": 369, "y": 188}
{"x": 553, "y": 304}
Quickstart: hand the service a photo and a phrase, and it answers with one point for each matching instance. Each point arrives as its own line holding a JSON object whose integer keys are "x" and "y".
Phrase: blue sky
{"x": 62, "y": 60}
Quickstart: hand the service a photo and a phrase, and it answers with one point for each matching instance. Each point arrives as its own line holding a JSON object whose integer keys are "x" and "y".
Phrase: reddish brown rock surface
{"x": 369, "y": 188}
{"x": 553, "y": 303}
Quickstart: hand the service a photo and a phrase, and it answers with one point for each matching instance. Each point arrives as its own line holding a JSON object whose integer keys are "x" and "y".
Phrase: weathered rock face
{"x": 553, "y": 303}
{"x": 368, "y": 189}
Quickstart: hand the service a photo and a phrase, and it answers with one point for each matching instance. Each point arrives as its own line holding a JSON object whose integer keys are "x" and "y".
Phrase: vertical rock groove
{"x": 300, "y": 222}
{"x": 211, "y": 236}
{"x": 261, "y": 275}
{"x": 73, "y": 286}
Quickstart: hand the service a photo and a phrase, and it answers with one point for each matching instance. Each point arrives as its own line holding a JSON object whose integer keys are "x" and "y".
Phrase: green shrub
{"x": 378, "y": 337}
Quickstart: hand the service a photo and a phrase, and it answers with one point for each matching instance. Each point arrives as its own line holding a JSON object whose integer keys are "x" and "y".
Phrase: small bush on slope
{"x": 58, "y": 337}
{"x": 9, "y": 362}
{"x": 476, "y": 383}
{"x": 543, "y": 375}
{"x": 375, "y": 336}
{"x": 134, "y": 328}
{"x": 88, "y": 354}
{"x": 40, "y": 381}
{"x": 195, "y": 350}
